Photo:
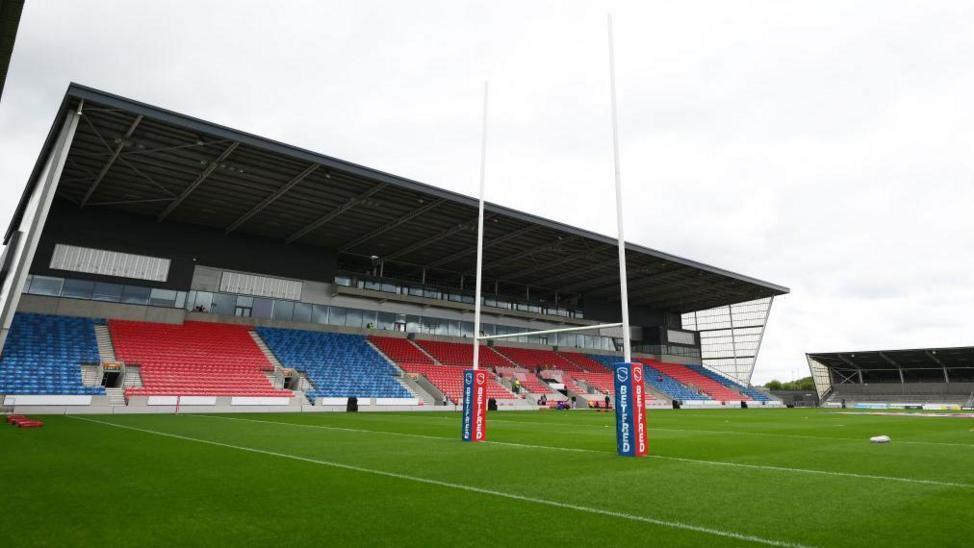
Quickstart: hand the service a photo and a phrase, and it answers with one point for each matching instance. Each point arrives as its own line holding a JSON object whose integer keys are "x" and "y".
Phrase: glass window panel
{"x": 302, "y": 312}
{"x": 180, "y": 299}
{"x": 243, "y": 300}
{"x": 283, "y": 310}
{"x": 369, "y": 284}
{"x": 343, "y": 280}
{"x": 105, "y": 292}
{"x": 79, "y": 289}
{"x": 204, "y": 301}
{"x": 353, "y": 318}
{"x": 412, "y": 324}
{"x": 263, "y": 308}
{"x": 368, "y": 319}
{"x": 133, "y": 294}
{"x": 162, "y": 297}
{"x": 223, "y": 303}
{"x": 386, "y": 321}
{"x": 336, "y": 315}
{"x": 319, "y": 314}
{"x": 453, "y": 328}
{"x": 43, "y": 285}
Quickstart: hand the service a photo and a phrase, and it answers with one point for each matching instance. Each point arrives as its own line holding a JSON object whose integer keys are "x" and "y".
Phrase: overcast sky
{"x": 824, "y": 146}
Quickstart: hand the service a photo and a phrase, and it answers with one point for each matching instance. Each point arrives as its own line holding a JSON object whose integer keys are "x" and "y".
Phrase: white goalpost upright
{"x": 623, "y": 281}
{"x": 480, "y": 238}
{"x": 623, "y": 286}
{"x": 628, "y": 433}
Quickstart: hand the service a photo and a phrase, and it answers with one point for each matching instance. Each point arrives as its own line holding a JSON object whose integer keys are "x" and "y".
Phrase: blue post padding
{"x": 467, "y": 424}
{"x": 621, "y": 373}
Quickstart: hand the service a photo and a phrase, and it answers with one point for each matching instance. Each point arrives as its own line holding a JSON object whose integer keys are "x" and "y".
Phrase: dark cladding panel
{"x": 185, "y": 245}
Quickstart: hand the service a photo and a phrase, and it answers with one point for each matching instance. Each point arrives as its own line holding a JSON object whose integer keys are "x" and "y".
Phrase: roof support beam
{"x": 390, "y": 225}
{"x": 487, "y": 244}
{"x": 557, "y": 262}
{"x": 851, "y": 363}
{"x": 435, "y": 238}
{"x": 548, "y": 246}
{"x": 272, "y": 198}
{"x": 352, "y": 202}
{"x": 195, "y": 184}
{"x": 936, "y": 360}
{"x": 894, "y": 364}
{"x": 111, "y": 160}
{"x": 594, "y": 266}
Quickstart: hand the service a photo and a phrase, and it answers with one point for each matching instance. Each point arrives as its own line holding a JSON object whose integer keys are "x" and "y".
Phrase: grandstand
{"x": 933, "y": 378}
{"x": 158, "y": 262}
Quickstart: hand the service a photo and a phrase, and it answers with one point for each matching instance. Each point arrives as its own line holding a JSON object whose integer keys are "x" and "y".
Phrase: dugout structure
{"x": 133, "y": 211}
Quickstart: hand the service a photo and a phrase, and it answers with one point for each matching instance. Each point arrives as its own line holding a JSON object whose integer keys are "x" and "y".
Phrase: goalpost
{"x": 628, "y": 376}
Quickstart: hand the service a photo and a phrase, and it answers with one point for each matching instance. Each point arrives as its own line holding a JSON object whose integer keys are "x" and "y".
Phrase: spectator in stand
{"x": 517, "y": 386}
{"x": 543, "y": 400}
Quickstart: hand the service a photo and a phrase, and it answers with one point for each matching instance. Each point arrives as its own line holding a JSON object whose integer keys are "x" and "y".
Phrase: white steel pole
{"x": 480, "y": 238}
{"x": 623, "y": 281}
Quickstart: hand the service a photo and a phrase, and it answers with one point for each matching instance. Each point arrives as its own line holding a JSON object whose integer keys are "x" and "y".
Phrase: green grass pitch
{"x": 716, "y": 478}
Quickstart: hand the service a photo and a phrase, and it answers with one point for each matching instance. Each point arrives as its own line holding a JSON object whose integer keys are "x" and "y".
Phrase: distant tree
{"x": 804, "y": 384}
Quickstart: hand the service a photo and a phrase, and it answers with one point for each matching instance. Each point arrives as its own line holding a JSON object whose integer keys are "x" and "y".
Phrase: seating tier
{"x": 43, "y": 354}
{"x": 193, "y": 359}
{"x": 400, "y": 350}
{"x": 461, "y": 354}
{"x": 337, "y": 364}
{"x": 705, "y": 384}
{"x": 449, "y": 380}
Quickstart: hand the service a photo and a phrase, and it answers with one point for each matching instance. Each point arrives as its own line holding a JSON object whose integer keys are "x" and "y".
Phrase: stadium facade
{"x": 138, "y": 214}
{"x": 929, "y": 377}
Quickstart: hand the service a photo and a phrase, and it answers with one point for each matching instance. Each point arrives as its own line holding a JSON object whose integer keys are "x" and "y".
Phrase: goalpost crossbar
{"x": 549, "y": 331}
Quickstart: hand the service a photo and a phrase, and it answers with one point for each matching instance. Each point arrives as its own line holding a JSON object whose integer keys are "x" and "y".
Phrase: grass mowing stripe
{"x": 653, "y": 426}
{"x": 462, "y": 487}
{"x": 765, "y": 467}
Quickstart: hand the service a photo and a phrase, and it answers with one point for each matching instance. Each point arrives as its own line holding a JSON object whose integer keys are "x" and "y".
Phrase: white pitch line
{"x": 653, "y": 426}
{"x": 462, "y": 487}
{"x": 766, "y": 467}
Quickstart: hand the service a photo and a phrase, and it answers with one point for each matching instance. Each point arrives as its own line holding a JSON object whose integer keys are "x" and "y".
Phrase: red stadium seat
{"x": 449, "y": 380}
{"x": 545, "y": 359}
{"x": 400, "y": 350}
{"x": 193, "y": 359}
{"x": 461, "y": 354}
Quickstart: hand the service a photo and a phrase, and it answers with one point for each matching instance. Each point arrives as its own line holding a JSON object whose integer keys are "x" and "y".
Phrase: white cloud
{"x": 821, "y": 145}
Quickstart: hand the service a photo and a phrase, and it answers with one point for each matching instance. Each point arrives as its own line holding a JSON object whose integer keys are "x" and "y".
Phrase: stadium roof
{"x": 10, "y": 11}
{"x": 135, "y": 157}
{"x": 923, "y": 358}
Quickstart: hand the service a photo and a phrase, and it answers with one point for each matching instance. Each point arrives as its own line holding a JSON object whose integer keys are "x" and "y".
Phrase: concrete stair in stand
{"x": 106, "y": 350}
{"x": 116, "y": 396}
{"x": 408, "y": 383}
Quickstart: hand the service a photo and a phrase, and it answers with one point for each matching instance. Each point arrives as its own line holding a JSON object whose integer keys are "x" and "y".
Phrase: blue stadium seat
{"x": 755, "y": 395}
{"x": 44, "y": 353}
{"x": 657, "y": 380}
{"x": 338, "y": 365}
